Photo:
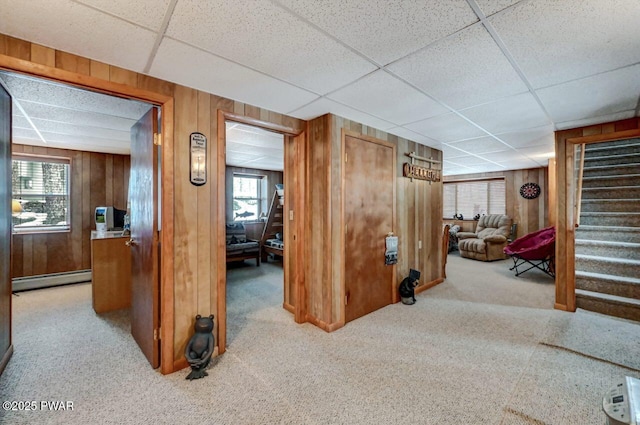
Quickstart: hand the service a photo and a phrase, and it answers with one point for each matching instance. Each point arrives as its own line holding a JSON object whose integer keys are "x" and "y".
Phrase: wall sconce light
{"x": 198, "y": 147}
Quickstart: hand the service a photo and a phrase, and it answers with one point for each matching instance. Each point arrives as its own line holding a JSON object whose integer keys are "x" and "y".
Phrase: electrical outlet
{"x": 419, "y": 244}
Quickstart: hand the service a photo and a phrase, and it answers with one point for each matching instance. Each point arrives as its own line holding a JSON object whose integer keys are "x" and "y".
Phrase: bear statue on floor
{"x": 200, "y": 347}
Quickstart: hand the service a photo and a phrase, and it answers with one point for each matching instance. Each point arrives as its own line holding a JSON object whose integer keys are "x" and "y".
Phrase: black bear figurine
{"x": 407, "y": 287}
{"x": 200, "y": 347}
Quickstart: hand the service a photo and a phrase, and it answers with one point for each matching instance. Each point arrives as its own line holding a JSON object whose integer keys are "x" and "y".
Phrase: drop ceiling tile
{"x": 479, "y": 145}
{"x": 508, "y": 114}
{"x": 505, "y": 155}
{"x": 262, "y": 36}
{"x": 384, "y": 96}
{"x": 81, "y": 130}
{"x": 530, "y": 137}
{"x": 468, "y": 161}
{"x": 596, "y": 120}
{"x": 80, "y": 142}
{"x": 451, "y": 153}
{"x": 257, "y": 151}
{"x": 489, "y": 7}
{"x": 414, "y": 137}
{"x": 78, "y": 29}
{"x": 463, "y": 70}
{"x": 454, "y": 170}
{"x": 488, "y": 168}
{"x": 92, "y": 119}
{"x": 538, "y": 153}
{"x": 446, "y": 128}
{"x": 603, "y": 94}
{"x": 558, "y": 41}
{"x": 386, "y": 30}
{"x": 323, "y": 106}
{"x": 229, "y": 79}
{"x": 520, "y": 164}
{"x": 147, "y": 13}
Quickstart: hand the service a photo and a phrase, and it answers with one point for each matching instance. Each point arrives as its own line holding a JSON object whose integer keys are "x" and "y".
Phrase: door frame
{"x": 299, "y": 204}
{"x": 393, "y": 296}
{"x": 166, "y": 105}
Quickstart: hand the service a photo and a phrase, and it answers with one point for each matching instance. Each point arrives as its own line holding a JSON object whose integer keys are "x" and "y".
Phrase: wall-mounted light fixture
{"x": 198, "y": 148}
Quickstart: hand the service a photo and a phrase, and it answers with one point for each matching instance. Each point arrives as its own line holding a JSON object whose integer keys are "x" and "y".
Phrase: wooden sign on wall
{"x": 421, "y": 173}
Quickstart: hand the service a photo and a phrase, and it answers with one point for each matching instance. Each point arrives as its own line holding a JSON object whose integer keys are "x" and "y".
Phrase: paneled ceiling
{"x": 486, "y": 81}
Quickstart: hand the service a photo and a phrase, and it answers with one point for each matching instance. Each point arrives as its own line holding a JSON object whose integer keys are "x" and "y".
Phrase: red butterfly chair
{"x": 535, "y": 250}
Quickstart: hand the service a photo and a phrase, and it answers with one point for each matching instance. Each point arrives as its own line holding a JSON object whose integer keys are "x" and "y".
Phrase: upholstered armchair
{"x": 489, "y": 239}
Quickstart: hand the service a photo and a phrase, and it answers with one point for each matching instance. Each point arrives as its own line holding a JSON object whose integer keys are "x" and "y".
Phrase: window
{"x": 41, "y": 186}
{"x": 248, "y": 197}
{"x": 471, "y": 198}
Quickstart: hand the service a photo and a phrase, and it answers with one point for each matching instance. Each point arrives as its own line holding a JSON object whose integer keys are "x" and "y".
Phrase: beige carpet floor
{"x": 483, "y": 347}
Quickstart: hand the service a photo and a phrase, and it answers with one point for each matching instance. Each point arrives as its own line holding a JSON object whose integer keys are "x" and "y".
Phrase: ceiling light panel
{"x": 386, "y": 97}
{"x": 78, "y": 29}
{"x": 559, "y": 41}
{"x": 446, "y": 128}
{"x": 229, "y": 79}
{"x": 323, "y": 106}
{"x": 463, "y": 70}
{"x": 265, "y": 37}
{"x": 146, "y": 13}
{"x": 386, "y": 30}
{"x": 508, "y": 114}
{"x": 602, "y": 94}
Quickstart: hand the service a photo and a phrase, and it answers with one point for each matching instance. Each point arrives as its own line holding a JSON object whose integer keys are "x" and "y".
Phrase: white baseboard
{"x": 53, "y": 279}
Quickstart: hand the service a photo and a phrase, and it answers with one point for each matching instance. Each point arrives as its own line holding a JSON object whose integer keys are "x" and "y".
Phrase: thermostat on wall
{"x": 622, "y": 403}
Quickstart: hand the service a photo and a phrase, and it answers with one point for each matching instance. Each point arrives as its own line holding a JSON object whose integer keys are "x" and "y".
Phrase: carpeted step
{"x": 626, "y": 308}
{"x": 611, "y": 170}
{"x": 612, "y": 249}
{"x": 610, "y": 205}
{"x": 608, "y": 265}
{"x": 608, "y": 149}
{"x": 607, "y": 233}
{"x": 608, "y": 181}
{"x": 617, "y": 219}
{"x": 626, "y": 287}
{"x": 621, "y": 192}
{"x": 628, "y": 158}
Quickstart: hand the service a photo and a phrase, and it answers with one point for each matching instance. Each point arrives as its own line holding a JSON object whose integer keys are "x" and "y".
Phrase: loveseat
{"x": 239, "y": 248}
{"x": 489, "y": 239}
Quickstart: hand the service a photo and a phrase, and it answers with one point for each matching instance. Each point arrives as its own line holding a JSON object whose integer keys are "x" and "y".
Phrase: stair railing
{"x": 579, "y": 185}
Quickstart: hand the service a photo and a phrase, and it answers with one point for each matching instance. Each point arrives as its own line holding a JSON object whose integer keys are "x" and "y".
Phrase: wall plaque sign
{"x": 421, "y": 173}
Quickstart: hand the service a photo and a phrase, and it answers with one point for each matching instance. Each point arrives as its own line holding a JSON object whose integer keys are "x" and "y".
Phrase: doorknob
{"x": 130, "y": 242}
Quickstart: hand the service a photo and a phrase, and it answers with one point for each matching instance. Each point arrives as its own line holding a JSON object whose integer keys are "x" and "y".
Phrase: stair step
{"x": 608, "y": 265}
{"x": 610, "y": 170}
{"x": 609, "y": 149}
{"x": 622, "y": 142}
{"x": 622, "y": 192}
{"x": 626, "y": 287}
{"x": 608, "y": 181}
{"x": 626, "y": 219}
{"x": 612, "y": 249}
{"x": 606, "y": 159}
{"x": 626, "y": 308}
{"x": 610, "y": 205}
{"x": 608, "y": 233}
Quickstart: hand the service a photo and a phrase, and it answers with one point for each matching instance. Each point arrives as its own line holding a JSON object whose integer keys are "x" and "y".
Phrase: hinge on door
{"x": 157, "y": 139}
{"x": 156, "y": 334}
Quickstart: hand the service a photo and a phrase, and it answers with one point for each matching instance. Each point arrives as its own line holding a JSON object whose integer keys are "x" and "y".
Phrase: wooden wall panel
{"x": 44, "y": 253}
{"x": 418, "y": 217}
{"x": 529, "y": 214}
{"x": 273, "y": 178}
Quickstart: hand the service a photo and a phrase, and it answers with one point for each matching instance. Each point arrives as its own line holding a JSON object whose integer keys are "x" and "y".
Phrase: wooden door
{"x": 5, "y": 228}
{"x": 369, "y": 208}
{"x": 144, "y": 242}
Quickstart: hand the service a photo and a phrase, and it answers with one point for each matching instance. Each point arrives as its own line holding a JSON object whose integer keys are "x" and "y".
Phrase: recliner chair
{"x": 489, "y": 239}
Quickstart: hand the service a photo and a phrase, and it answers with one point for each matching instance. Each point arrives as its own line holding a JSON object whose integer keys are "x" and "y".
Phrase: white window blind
{"x": 248, "y": 197}
{"x": 41, "y": 187}
{"x": 470, "y": 198}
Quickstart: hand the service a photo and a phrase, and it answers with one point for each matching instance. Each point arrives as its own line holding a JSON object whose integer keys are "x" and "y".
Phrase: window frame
{"x": 488, "y": 180}
{"x": 29, "y": 230}
{"x": 261, "y": 181}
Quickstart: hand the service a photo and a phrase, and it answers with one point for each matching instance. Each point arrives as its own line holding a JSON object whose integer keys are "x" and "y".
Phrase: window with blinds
{"x": 40, "y": 186}
{"x": 474, "y": 197}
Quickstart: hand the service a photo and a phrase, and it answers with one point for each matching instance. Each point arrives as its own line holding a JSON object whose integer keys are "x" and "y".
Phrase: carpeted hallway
{"x": 483, "y": 347}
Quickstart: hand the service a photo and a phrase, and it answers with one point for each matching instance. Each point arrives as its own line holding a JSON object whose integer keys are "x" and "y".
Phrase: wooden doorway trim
{"x": 299, "y": 206}
{"x": 565, "y": 215}
{"x": 393, "y": 295}
{"x": 166, "y": 104}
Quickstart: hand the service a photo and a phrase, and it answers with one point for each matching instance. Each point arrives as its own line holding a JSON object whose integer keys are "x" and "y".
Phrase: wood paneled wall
{"x": 529, "y": 214}
{"x": 565, "y": 201}
{"x": 194, "y": 210}
{"x": 418, "y": 210}
{"x": 95, "y": 179}
{"x": 273, "y": 178}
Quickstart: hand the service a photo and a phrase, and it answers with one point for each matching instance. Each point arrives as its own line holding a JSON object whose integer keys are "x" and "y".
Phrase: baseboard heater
{"x": 47, "y": 280}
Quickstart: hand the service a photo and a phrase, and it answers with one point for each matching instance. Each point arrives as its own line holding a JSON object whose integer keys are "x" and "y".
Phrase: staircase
{"x": 608, "y": 238}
